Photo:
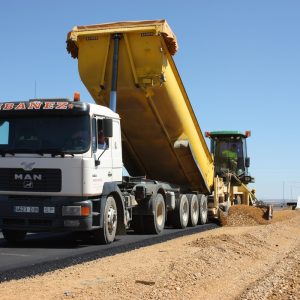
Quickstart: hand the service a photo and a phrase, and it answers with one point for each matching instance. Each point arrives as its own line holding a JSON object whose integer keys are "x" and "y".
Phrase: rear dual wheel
{"x": 190, "y": 210}
{"x": 203, "y": 210}
{"x": 154, "y": 223}
{"x": 180, "y": 216}
{"x": 194, "y": 209}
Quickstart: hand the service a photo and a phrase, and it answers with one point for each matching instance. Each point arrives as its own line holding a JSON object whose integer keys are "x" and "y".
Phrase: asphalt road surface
{"x": 43, "y": 252}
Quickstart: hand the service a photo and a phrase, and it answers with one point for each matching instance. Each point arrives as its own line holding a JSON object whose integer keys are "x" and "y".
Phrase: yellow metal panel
{"x": 151, "y": 100}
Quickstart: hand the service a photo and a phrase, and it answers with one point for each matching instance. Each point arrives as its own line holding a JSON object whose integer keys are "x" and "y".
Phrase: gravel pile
{"x": 244, "y": 215}
{"x": 280, "y": 283}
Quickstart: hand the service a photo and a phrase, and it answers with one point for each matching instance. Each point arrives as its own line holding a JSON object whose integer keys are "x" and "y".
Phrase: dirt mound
{"x": 285, "y": 214}
{"x": 244, "y": 215}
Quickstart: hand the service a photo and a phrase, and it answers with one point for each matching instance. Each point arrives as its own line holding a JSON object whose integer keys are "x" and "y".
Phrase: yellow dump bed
{"x": 161, "y": 136}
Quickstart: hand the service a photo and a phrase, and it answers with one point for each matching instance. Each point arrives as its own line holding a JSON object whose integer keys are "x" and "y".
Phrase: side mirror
{"x": 107, "y": 127}
{"x": 247, "y": 162}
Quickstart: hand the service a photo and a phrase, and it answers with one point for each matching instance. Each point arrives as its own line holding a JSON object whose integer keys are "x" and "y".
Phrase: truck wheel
{"x": 14, "y": 236}
{"x": 202, "y": 209}
{"x": 194, "y": 209}
{"x": 180, "y": 216}
{"x": 155, "y": 224}
{"x": 270, "y": 212}
{"x": 107, "y": 234}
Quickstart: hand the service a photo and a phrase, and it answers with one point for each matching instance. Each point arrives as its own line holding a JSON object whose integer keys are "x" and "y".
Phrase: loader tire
{"x": 194, "y": 209}
{"x": 180, "y": 216}
{"x": 202, "y": 209}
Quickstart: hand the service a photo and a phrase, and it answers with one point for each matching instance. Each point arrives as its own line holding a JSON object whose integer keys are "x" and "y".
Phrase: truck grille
{"x": 36, "y": 180}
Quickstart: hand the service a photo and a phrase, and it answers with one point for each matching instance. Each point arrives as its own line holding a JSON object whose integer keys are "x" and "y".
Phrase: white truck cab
{"x": 54, "y": 168}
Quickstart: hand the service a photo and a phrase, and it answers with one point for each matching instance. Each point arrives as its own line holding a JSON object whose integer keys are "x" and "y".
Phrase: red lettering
{"x": 34, "y": 105}
{"x": 61, "y": 105}
{"x": 8, "y": 106}
{"x": 48, "y": 105}
{"x": 20, "y": 106}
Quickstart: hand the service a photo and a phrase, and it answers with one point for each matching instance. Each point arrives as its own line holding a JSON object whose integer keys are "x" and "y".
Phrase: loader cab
{"x": 229, "y": 149}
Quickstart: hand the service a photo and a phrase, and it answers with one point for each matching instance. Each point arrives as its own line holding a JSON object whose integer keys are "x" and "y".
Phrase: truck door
{"x": 102, "y": 151}
{"x": 117, "y": 151}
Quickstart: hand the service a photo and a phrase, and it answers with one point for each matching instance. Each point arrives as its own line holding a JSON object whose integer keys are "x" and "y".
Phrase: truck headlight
{"x": 76, "y": 211}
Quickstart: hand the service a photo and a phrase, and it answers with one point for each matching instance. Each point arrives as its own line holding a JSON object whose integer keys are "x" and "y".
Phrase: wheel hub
{"x": 111, "y": 219}
{"x": 185, "y": 210}
{"x": 160, "y": 214}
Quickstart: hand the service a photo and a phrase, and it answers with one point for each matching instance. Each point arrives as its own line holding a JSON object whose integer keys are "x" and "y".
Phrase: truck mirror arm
{"x": 97, "y": 161}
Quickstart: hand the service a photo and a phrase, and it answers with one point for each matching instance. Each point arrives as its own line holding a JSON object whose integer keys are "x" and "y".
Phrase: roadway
{"x": 43, "y": 252}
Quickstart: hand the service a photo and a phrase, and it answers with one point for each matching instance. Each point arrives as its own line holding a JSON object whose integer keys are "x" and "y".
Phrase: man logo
{"x": 28, "y": 184}
{"x": 30, "y": 177}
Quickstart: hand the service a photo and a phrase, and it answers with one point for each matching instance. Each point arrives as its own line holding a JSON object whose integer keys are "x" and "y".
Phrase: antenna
{"x": 35, "y": 89}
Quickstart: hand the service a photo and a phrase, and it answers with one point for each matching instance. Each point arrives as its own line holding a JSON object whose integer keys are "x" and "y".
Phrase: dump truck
{"x": 62, "y": 161}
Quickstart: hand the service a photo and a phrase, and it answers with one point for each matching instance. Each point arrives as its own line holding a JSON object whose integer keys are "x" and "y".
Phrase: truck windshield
{"x": 229, "y": 155}
{"x": 58, "y": 134}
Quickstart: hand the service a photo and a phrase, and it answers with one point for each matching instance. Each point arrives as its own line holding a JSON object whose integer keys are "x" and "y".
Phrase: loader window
{"x": 229, "y": 155}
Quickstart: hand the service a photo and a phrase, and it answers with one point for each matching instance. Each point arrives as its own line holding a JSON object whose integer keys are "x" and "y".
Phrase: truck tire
{"x": 202, "y": 209}
{"x": 106, "y": 235}
{"x": 14, "y": 236}
{"x": 270, "y": 212}
{"x": 180, "y": 216}
{"x": 155, "y": 224}
{"x": 194, "y": 209}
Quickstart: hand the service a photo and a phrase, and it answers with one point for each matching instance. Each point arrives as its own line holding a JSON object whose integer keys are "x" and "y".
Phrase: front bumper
{"x": 38, "y": 214}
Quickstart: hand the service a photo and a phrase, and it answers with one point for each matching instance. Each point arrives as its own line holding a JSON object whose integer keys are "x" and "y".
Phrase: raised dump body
{"x": 161, "y": 136}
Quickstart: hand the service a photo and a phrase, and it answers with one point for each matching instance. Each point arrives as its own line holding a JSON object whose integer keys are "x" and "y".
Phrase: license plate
{"x": 26, "y": 209}
{"x": 49, "y": 210}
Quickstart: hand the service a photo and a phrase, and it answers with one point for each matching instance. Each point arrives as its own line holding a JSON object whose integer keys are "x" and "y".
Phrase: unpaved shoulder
{"x": 249, "y": 262}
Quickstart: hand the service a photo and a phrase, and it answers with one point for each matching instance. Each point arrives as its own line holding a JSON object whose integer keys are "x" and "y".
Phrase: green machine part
{"x": 229, "y": 149}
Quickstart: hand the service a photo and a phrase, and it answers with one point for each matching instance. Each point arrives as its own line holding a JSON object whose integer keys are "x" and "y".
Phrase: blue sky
{"x": 239, "y": 62}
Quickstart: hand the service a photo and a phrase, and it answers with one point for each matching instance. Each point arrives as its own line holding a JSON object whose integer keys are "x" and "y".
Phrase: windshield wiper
{"x": 18, "y": 150}
{"x": 6, "y": 151}
{"x": 53, "y": 151}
